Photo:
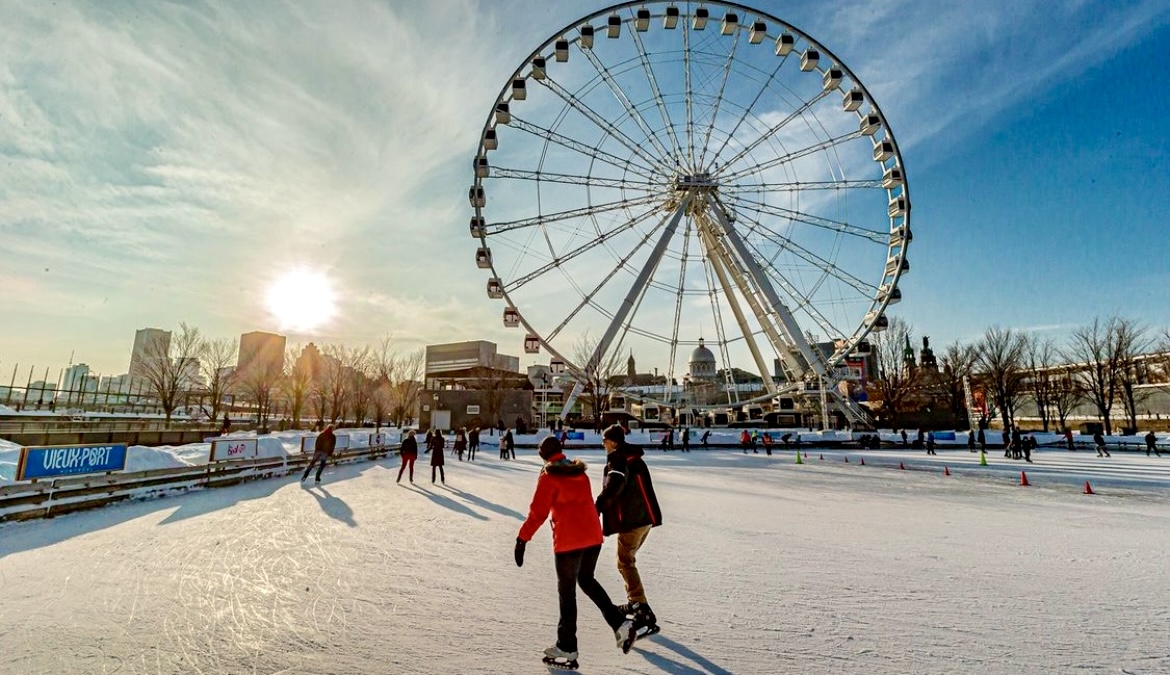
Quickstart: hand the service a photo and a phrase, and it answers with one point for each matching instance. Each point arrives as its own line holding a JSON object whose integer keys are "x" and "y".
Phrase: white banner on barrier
{"x": 309, "y": 443}
{"x": 233, "y": 448}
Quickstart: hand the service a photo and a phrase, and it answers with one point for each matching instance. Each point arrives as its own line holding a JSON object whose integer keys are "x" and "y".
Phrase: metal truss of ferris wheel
{"x": 655, "y": 164}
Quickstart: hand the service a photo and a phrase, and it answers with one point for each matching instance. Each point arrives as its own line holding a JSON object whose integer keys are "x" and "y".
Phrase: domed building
{"x": 702, "y": 364}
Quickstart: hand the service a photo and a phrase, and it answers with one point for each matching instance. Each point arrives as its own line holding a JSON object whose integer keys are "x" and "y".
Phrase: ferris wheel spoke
{"x": 719, "y": 98}
{"x": 797, "y": 186}
{"x": 688, "y": 94}
{"x": 575, "y": 179}
{"x": 829, "y": 224}
{"x": 587, "y": 298}
{"x": 790, "y": 157}
{"x": 559, "y": 260}
{"x": 803, "y": 299}
{"x": 751, "y": 106}
{"x": 775, "y": 128}
{"x": 620, "y": 95}
{"x": 812, "y": 258}
{"x": 720, "y": 332}
{"x": 625, "y": 164}
{"x": 602, "y": 123}
{"x": 678, "y": 298}
{"x": 658, "y": 100}
{"x": 639, "y": 285}
{"x": 545, "y": 218}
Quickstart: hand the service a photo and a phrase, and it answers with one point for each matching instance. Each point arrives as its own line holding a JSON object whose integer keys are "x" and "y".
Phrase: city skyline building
{"x": 149, "y": 343}
{"x": 260, "y": 351}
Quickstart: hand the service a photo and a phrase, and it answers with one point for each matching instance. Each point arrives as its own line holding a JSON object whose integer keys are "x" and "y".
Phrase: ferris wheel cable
{"x": 560, "y": 260}
{"x": 587, "y": 299}
{"x": 717, "y": 314}
{"x": 821, "y": 222}
{"x": 495, "y": 229}
{"x": 813, "y": 259}
{"x": 620, "y": 94}
{"x": 544, "y": 133}
{"x": 576, "y": 179}
{"x": 719, "y": 98}
{"x": 784, "y": 159}
{"x": 600, "y": 121}
{"x": 640, "y": 282}
{"x": 796, "y": 186}
{"x": 653, "y": 81}
{"x": 775, "y": 128}
{"x": 690, "y": 121}
{"x": 682, "y": 276}
{"x": 772, "y": 76}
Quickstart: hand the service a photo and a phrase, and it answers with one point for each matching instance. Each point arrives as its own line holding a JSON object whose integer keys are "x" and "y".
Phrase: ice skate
{"x": 626, "y": 635}
{"x": 555, "y": 657}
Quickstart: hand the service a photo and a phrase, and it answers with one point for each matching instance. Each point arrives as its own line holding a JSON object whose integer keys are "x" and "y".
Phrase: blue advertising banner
{"x": 52, "y": 461}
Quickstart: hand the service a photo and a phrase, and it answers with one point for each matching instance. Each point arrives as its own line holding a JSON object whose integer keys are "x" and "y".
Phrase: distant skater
{"x": 706, "y": 438}
{"x": 1152, "y": 444}
{"x": 1099, "y": 441}
{"x": 472, "y": 443}
{"x": 322, "y": 451}
{"x": 435, "y": 447}
{"x": 460, "y": 443}
{"x": 409, "y": 454}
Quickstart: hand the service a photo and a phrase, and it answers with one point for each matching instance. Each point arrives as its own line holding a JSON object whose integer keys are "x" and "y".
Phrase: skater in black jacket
{"x": 629, "y": 508}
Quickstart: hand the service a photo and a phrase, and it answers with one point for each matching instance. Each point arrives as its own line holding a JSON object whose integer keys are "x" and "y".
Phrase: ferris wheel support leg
{"x": 718, "y": 264}
{"x": 638, "y": 287}
{"x": 787, "y": 321}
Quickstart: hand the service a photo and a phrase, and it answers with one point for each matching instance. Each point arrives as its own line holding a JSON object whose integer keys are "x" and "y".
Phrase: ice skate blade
{"x": 560, "y": 665}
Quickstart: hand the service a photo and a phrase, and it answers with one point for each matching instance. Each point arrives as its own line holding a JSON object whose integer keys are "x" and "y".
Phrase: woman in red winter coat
{"x": 564, "y": 491}
{"x": 435, "y": 447}
{"x": 409, "y": 454}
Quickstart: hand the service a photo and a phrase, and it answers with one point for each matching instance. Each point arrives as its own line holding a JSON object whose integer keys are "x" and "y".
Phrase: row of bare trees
{"x": 339, "y": 383}
{"x": 1102, "y": 363}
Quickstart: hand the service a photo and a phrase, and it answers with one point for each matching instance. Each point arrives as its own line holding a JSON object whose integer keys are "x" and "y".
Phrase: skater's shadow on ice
{"x": 448, "y": 503}
{"x": 669, "y": 665}
{"x": 485, "y": 504}
{"x": 334, "y": 507}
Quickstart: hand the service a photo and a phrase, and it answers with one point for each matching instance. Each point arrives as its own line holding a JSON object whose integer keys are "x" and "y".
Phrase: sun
{"x": 301, "y": 299}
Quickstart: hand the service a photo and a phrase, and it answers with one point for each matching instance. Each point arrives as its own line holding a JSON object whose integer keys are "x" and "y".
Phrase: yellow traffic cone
{"x": 982, "y": 459}
{"x": 798, "y": 459}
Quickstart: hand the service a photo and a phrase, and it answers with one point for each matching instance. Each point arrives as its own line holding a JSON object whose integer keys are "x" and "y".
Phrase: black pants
{"x": 317, "y": 456}
{"x": 442, "y": 475}
{"x": 471, "y": 449}
{"x": 576, "y": 568}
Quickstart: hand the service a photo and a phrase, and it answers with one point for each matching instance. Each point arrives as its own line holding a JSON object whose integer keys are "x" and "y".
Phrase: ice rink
{"x": 761, "y": 566}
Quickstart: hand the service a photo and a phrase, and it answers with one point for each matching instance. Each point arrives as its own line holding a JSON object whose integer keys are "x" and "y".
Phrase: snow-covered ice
{"x": 762, "y": 566}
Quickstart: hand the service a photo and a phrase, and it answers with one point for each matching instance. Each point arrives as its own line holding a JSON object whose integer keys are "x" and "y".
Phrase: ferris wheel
{"x": 660, "y": 178}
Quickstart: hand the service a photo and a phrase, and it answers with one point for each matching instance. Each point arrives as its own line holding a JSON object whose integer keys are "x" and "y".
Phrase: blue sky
{"x": 166, "y": 162}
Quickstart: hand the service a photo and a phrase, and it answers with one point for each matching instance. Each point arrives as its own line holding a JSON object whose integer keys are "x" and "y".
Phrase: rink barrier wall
{"x": 48, "y": 498}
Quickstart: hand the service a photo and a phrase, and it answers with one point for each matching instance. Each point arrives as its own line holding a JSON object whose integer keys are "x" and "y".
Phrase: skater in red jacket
{"x": 564, "y": 491}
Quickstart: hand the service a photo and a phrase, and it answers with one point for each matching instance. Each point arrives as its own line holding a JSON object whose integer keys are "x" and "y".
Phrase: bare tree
{"x": 955, "y": 368}
{"x": 405, "y": 380}
{"x": 166, "y": 364}
{"x": 258, "y": 382}
{"x": 297, "y": 382}
{"x": 1040, "y": 356}
{"x": 1095, "y": 348}
{"x": 596, "y": 373}
{"x": 896, "y": 380}
{"x": 1067, "y": 392}
{"x": 216, "y": 358}
{"x": 1000, "y": 362}
{"x": 1132, "y": 343}
{"x": 361, "y": 386}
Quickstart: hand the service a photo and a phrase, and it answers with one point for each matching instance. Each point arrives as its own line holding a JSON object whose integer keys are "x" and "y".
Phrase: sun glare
{"x": 301, "y": 299}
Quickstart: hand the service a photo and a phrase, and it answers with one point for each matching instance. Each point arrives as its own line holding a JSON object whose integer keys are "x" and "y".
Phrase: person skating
{"x": 1152, "y": 444}
{"x": 472, "y": 444}
{"x": 629, "y": 508}
{"x": 409, "y": 454}
{"x": 1099, "y": 441}
{"x": 930, "y": 443}
{"x": 706, "y": 439}
{"x": 460, "y": 443}
{"x": 322, "y": 451}
{"x": 564, "y": 491}
{"x": 508, "y": 445}
{"x": 435, "y": 447}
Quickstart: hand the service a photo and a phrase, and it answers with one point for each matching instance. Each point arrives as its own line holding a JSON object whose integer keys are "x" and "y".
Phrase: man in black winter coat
{"x": 629, "y": 508}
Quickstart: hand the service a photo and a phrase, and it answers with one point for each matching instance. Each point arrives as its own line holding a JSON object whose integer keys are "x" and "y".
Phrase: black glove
{"x": 520, "y": 544}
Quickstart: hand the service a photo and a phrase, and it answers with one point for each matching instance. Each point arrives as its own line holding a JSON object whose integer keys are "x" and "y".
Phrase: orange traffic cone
{"x": 946, "y": 471}
{"x": 1089, "y": 489}
{"x": 806, "y": 455}
{"x": 901, "y": 466}
{"x": 846, "y": 459}
{"x": 822, "y": 456}
{"x": 863, "y": 461}
{"x": 1024, "y": 479}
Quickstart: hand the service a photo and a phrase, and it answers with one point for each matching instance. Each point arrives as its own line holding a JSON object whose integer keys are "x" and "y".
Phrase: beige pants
{"x": 627, "y": 559}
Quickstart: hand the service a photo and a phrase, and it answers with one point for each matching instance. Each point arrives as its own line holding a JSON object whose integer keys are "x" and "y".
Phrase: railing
{"x": 113, "y": 426}
{"x": 48, "y": 498}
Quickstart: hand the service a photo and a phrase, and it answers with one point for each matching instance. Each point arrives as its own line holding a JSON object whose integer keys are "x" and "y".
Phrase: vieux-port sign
{"x": 52, "y": 461}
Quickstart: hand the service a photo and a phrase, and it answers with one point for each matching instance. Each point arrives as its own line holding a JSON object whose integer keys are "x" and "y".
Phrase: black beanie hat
{"x": 614, "y": 433}
{"x": 549, "y": 446}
